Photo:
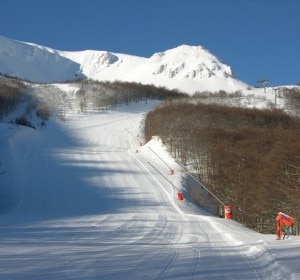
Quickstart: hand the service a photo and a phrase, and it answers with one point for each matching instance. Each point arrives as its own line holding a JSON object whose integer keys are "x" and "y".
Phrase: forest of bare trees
{"x": 9, "y": 97}
{"x": 46, "y": 100}
{"x": 102, "y": 95}
{"x": 292, "y": 99}
{"x": 248, "y": 157}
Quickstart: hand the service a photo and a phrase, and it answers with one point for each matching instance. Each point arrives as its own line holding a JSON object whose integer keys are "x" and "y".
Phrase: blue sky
{"x": 257, "y": 38}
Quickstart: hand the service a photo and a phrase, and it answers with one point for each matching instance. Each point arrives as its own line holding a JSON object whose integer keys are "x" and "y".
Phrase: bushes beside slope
{"x": 249, "y": 158}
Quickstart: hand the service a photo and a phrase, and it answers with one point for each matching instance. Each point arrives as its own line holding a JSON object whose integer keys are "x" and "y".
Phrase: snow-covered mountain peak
{"x": 186, "y": 68}
{"x": 107, "y": 58}
{"x": 189, "y": 62}
{"x": 185, "y": 52}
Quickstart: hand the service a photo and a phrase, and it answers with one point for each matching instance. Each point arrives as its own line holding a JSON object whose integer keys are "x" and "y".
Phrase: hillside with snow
{"x": 82, "y": 199}
{"x": 185, "y": 68}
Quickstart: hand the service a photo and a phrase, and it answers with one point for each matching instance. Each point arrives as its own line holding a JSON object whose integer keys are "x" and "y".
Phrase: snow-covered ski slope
{"x": 80, "y": 199}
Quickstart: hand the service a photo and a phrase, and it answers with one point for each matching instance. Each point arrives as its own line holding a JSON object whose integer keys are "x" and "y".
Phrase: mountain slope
{"x": 35, "y": 63}
{"x": 82, "y": 203}
{"x": 186, "y": 68}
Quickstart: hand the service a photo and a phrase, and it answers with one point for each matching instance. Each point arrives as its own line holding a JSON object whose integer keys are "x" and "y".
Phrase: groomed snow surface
{"x": 81, "y": 199}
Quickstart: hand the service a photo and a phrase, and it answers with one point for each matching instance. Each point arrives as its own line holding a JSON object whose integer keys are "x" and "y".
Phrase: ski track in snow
{"x": 86, "y": 205}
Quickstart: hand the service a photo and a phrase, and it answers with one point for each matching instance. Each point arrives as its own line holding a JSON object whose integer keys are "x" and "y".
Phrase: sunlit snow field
{"x": 81, "y": 200}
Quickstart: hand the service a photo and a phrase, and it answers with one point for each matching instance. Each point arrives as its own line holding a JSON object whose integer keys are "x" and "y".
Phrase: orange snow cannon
{"x": 283, "y": 219}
